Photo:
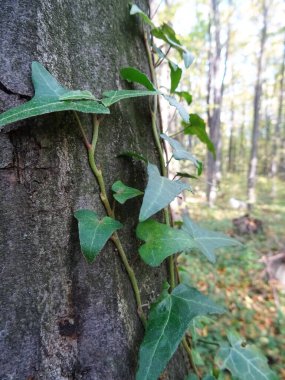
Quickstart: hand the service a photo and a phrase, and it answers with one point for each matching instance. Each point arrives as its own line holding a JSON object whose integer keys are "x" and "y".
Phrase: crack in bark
{"x": 9, "y": 92}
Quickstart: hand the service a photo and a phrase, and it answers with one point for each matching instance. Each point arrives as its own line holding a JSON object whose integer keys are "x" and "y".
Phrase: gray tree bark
{"x": 216, "y": 77}
{"x": 252, "y": 169}
{"x": 61, "y": 318}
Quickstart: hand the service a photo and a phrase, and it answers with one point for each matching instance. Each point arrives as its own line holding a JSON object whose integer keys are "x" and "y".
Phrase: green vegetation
{"x": 237, "y": 280}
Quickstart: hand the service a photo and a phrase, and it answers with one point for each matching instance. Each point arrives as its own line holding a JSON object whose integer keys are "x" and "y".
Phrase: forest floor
{"x": 237, "y": 280}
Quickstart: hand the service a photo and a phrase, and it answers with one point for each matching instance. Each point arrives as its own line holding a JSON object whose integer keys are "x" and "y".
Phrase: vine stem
{"x": 160, "y": 152}
{"x": 104, "y": 198}
{"x": 189, "y": 352}
{"x": 171, "y": 260}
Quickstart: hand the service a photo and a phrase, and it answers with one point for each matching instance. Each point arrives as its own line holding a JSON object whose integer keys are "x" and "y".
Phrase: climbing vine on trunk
{"x": 167, "y": 323}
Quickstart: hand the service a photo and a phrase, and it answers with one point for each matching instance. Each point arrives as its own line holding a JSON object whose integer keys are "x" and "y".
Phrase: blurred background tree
{"x": 237, "y": 84}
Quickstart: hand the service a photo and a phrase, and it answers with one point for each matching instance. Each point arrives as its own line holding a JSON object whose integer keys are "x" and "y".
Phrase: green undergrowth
{"x": 237, "y": 280}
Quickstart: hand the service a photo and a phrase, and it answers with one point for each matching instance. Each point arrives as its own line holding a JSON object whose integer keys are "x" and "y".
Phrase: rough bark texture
{"x": 60, "y": 317}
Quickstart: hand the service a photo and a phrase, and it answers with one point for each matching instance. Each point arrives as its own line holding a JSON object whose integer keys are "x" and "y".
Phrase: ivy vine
{"x": 167, "y": 324}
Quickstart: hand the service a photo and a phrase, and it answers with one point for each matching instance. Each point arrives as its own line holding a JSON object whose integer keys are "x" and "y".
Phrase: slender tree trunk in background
{"x": 241, "y": 149}
{"x": 231, "y": 149}
{"x": 216, "y": 76}
{"x": 252, "y": 170}
{"x": 60, "y": 318}
{"x": 276, "y": 146}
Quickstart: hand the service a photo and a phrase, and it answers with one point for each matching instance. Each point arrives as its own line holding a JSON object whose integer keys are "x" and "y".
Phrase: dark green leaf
{"x": 197, "y": 127}
{"x": 185, "y": 95}
{"x": 134, "y": 155}
{"x": 112, "y": 97}
{"x": 47, "y": 99}
{"x": 186, "y": 175}
{"x": 179, "y": 153}
{"x": 188, "y": 58}
{"x": 167, "y": 34}
{"x": 161, "y": 241}
{"x": 136, "y": 10}
{"x": 175, "y": 76}
{"x": 78, "y": 95}
{"x": 167, "y": 324}
{"x": 207, "y": 241}
{"x": 160, "y": 191}
{"x": 173, "y": 102}
{"x": 94, "y": 233}
{"x": 244, "y": 362}
{"x": 123, "y": 192}
{"x": 134, "y": 75}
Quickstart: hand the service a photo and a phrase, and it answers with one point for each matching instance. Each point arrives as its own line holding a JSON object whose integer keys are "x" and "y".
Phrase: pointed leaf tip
{"x": 160, "y": 191}
{"x": 168, "y": 321}
{"x": 207, "y": 241}
{"x": 123, "y": 192}
{"x": 94, "y": 233}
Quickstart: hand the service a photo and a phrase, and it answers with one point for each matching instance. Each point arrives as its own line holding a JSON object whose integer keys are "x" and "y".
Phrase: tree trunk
{"x": 216, "y": 75}
{"x": 277, "y": 135}
{"x": 252, "y": 170}
{"x": 60, "y": 317}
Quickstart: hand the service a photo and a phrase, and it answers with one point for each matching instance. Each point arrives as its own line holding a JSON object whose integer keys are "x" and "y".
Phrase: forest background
{"x": 237, "y": 85}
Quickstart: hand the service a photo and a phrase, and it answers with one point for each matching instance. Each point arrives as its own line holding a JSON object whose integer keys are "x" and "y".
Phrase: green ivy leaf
{"x": 77, "y": 95}
{"x": 47, "y": 99}
{"x": 168, "y": 321}
{"x": 188, "y": 58}
{"x": 123, "y": 192}
{"x": 167, "y": 34}
{"x": 207, "y": 241}
{"x": 175, "y": 76}
{"x": 112, "y": 97}
{"x": 161, "y": 241}
{"x": 134, "y": 75}
{"x": 159, "y": 192}
{"x": 135, "y": 10}
{"x": 185, "y": 95}
{"x": 196, "y": 126}
{"x": 94, "y": 233}
{"x": 173, "y": 102}
{"x": 244, "y": 362}
{"x": 186, "y": 175}
{"x": 179, "y": 153}
{"x": 134, "y": 155}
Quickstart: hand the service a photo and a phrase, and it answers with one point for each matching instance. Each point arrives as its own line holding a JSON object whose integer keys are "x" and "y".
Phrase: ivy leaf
{"x": 175, "y": 76}
{"x": 94, "y": 233}
{"x": 112, "y": 97}
{"x": 77, "y": 95}
{"x": 179, "y": 153}
{"x": 161, "y": 241}
{"x": 196, "y": 126}
{"x": 186, "y": 175}
{"x": 134, "y": 75}
{"x": 47, "y": 99}
{"x": 134, "y": 155}
{"x": 244, "y": 362}
{"x": 188, "y": 58}
{"x": 167, "y": 34}
{"x": 185, "y": 95}
{"x": 173, "y": 102}
{"x": 160, "y": 191}
{"x": 136, "y": 10}
{"x": 168, "y": 321}
{"x": 207, "y": 241}
{"x": 123, "y": 192}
